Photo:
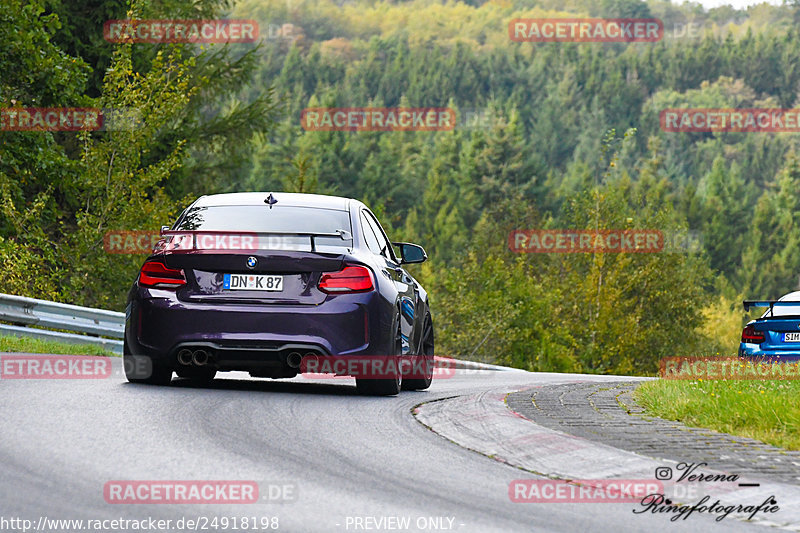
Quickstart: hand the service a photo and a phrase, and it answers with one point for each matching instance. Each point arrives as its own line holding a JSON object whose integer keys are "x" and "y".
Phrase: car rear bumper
{"x": 252, "y": 336}
{"x": 754, "y": 351}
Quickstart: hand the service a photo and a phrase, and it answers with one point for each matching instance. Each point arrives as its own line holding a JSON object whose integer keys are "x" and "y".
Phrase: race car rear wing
{"x": 193, "y": 235}
{"x": 769, "y": 303}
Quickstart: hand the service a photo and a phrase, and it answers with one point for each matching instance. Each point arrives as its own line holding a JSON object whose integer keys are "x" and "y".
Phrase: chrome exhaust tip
{"x": 185, "y": 357}
{"x": 200, "y": 357}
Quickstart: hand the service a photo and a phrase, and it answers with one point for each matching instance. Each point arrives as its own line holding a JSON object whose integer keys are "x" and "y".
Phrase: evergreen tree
{"x": 726, "y": 206}
{"x": 771, "y": 259}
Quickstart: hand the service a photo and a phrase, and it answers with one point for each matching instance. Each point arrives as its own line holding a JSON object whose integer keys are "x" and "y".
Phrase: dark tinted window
{"x": 383, "y": 243}
{"x": 369, "y": 235}
{"x": 264, "y": 220}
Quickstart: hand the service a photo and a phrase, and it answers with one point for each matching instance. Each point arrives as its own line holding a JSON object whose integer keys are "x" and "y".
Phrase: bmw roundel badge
{"x": 251, "y": 262}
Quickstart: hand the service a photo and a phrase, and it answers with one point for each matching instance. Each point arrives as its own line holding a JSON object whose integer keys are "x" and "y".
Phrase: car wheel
{"x": 142, "y": 369}
{"x": 390, "y": 385}
{"x": 422, "y": 367}
{"x": 200, "y": 375}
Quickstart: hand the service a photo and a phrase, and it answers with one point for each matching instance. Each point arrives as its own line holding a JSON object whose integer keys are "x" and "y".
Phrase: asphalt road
{"x": 353, "y": 462}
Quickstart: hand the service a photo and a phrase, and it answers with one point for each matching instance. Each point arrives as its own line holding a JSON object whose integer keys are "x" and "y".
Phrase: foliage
{"x": 9, "y": 343}
{"x": 541, "y": 152}
{"x": 761, "y": 409}
{"x": 60, "y": 192}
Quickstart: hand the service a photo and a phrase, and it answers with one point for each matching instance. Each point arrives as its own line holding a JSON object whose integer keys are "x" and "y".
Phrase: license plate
{"x": 791, "y": 337}
{"x": 252, "y": 282}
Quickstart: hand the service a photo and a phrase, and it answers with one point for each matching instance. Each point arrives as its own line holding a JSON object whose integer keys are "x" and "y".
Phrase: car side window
{"x": 385, "y": 245}
{"x": 369, "y": 235}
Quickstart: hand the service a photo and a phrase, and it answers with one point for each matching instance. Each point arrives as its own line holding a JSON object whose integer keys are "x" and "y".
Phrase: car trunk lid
{"x": 779, "y": 332}
{"x": 218, "y": 276}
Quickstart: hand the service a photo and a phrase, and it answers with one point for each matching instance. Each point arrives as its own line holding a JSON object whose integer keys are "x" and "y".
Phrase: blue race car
{"x": 776, "y": 334}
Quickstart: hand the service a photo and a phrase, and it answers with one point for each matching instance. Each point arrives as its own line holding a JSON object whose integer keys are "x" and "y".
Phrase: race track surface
{"x": 353, "y": 463}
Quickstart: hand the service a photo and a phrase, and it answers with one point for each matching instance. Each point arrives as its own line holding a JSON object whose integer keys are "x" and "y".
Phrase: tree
{"x": 771, "y": 259}
{"x": 726, "y": 204}
{"x": 35, "y": 171}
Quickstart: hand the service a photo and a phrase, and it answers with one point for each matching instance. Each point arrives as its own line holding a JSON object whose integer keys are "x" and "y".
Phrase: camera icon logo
{"x": 663, "y": 473}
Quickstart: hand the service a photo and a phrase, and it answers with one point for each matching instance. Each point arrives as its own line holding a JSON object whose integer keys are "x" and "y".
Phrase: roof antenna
{"x": 270, "y": 200}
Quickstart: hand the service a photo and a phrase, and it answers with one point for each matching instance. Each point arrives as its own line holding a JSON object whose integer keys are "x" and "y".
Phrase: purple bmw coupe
{"x": 264, "y": 282}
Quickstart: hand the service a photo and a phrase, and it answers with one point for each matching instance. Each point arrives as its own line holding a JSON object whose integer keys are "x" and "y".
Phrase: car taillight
{"x": 749, "y": 334}
{"x": 349, "y": 279}
{"x": 155, "y": 274}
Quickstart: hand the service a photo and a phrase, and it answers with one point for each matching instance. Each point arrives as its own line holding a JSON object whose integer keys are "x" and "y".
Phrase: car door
{"x": 406, "y": 286}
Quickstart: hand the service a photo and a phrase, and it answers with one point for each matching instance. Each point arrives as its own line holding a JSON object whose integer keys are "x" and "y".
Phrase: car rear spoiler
{"x": 340, "y": 233}
{"x": 748, "y": 304}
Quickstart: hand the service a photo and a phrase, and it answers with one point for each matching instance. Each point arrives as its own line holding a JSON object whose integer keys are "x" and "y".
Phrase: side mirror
{"x": 411, "y": 253}
{"x": 163, "y": 229}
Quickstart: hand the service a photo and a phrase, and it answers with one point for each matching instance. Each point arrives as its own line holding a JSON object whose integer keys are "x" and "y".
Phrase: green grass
{"x": 766, "y": 410}
{"x": 10, "y": 343}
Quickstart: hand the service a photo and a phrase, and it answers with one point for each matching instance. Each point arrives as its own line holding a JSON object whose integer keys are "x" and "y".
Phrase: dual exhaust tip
{"x": 198, "y": 357}
{"x": 294, "y": 359}
{"x": 201, "y": 357}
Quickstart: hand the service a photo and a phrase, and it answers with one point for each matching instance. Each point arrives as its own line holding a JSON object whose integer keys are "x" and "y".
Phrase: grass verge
{"x": 765, "y": 410}
{"x": 10, "y": 343}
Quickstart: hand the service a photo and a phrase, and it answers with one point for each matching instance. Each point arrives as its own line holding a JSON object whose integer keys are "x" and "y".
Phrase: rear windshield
{"x": 281, "y": 219}
{"x": 779, "y": 310}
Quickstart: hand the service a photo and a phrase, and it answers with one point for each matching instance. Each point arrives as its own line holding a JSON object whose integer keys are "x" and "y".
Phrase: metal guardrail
{"x": 92, "y": 323}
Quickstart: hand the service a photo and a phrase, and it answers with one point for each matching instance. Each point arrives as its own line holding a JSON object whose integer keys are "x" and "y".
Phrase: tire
{"x": 426, "y": 358}
{"x": 199, "y": 375}
{"x": 386, "y": 386}
{"x": 142, "y": 369}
